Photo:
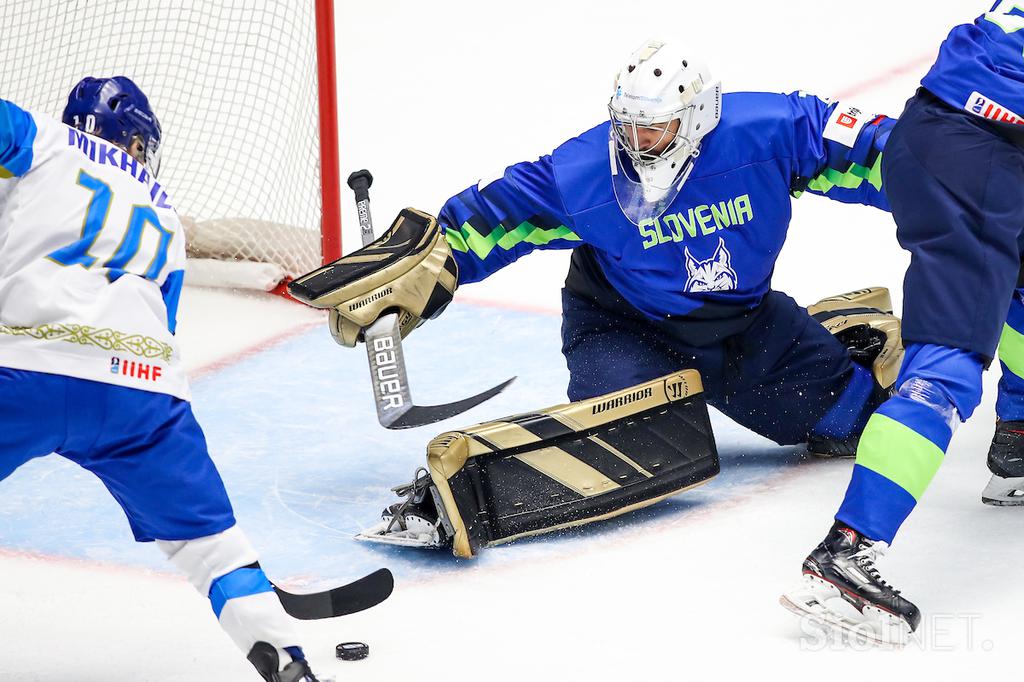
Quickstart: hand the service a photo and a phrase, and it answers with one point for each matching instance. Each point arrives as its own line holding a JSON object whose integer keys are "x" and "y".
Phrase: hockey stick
{"x": 356, "y": 596}
{"x": 395, "y": 409}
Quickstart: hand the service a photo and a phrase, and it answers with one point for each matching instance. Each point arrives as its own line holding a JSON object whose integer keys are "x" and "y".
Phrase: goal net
{"x": 239, "y": 86}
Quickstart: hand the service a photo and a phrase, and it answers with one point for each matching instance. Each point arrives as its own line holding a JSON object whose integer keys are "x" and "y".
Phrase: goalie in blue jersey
{"x": 677, "y": 208}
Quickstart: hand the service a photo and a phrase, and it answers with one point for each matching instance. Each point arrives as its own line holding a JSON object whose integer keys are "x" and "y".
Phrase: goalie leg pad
{"x": 863, "y": 321}
{"x": 572, "y": 464}
{"x": 409, "y": 270}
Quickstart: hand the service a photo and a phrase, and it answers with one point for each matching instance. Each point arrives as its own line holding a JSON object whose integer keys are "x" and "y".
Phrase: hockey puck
{"x": 352, "y": 651}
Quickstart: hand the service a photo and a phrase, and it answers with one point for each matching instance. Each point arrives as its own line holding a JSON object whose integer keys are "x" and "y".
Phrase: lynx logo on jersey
{"x": 713, "y": 274}
{"x": 979, "y": 105}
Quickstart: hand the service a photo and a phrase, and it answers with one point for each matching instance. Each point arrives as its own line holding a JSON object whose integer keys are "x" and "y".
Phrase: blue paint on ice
{"x": 295, "y": 436}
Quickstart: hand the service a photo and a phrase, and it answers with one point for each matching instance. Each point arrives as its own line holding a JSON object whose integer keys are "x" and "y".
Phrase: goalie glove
{"x": 409, "y": 270}
{"x": 862, "y": 320}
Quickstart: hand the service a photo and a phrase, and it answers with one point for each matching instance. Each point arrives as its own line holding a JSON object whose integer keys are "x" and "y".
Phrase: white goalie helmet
{"x": 664, "y": 102}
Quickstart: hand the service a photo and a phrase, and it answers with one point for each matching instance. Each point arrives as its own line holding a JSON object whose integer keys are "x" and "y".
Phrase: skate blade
{"x": 822, "y": 603}
{"x": 394, "y": 538}
{"x": 1004, "y": 492}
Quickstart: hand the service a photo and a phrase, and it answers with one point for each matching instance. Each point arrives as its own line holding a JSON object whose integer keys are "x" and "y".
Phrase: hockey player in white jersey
{"x": 92, "y": 259}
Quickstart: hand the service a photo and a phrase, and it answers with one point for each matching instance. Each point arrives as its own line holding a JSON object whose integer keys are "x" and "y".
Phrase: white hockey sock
{"x": 221, "y": 567}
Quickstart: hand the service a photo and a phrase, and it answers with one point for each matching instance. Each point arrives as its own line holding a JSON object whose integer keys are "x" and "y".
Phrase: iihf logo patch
{"x": 135, "y": 370}
{"x": 980, "y": 105}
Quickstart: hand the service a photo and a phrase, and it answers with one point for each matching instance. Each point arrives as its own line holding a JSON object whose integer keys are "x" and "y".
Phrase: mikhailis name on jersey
{"x": 107, "y": 154}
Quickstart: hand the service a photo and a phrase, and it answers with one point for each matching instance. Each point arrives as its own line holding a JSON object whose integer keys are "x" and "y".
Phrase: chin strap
{"x": 690, "y": 163}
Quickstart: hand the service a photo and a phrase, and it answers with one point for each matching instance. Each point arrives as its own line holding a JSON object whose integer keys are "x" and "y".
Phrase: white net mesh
{"x": 234, "y": 84}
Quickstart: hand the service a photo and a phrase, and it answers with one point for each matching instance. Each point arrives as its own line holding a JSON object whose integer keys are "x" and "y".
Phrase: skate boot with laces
{"x": 1006, "y": 462}
{"x": 843, "y": 590}
{"x": 414, "y": 522}
{"x": 266, "y": 659}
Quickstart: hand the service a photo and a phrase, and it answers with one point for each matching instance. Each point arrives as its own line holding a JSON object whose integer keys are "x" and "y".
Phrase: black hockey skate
{"x": 266, "y": 660}
{"x": 1006, "y": 462}
{"x": 826, "y": 447}
{"x": 842, "y": 589}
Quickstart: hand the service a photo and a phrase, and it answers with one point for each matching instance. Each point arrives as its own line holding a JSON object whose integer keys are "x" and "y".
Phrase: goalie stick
{"x": 356, "y": 596}
{"x": 395, "y": 410}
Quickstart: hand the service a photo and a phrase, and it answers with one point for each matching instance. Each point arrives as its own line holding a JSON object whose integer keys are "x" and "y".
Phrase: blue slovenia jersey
{"x": 718, "y": 241}
{"x": 980, "y": 67}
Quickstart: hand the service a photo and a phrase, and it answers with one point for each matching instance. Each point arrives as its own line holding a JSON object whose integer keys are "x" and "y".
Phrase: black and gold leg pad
{"x": 571, "y": 464}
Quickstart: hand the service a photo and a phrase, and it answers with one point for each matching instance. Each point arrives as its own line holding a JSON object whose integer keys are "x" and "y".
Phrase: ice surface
{"x": 433, "y": 96}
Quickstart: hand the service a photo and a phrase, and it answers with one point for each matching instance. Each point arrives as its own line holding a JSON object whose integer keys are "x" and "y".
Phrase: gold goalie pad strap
{"x": 572, "y": 464}
{"x": 409, "y": 270}
{"x": 861, "y": 319}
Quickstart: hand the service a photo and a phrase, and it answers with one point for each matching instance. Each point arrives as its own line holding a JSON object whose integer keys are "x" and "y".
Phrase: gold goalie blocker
{"x": 408, "y": 270}
{"x": 594, "y": 459}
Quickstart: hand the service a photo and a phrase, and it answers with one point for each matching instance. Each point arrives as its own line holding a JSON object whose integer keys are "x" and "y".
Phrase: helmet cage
{"x": 625, "y": 132}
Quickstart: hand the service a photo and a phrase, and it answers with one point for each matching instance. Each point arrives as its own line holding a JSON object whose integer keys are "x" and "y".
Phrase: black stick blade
{"x": 421, "y": 415}
{"x": 356, "y": 596}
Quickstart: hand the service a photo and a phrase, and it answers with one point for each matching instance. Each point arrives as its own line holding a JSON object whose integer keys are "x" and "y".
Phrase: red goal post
{"x": 245, "y": 93}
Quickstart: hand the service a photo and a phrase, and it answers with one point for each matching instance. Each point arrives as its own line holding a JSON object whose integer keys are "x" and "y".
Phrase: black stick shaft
{"x": 360, "y": 182}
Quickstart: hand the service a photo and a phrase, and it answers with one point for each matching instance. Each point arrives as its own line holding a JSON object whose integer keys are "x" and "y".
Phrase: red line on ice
{"x": 266, "y": 344}
{"x": 918, "y": 62}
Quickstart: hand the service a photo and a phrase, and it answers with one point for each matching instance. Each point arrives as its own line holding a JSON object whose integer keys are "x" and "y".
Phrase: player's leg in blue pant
{"x": 790, "y": 379}
{"x": 962, "y": 229}
{"x": 606, "y": 351}
{"x": 1010, "y": 403}
{"x": 785, "y": 377}
{"x": 954, "y": 186}
{"x": 906, "y": 439}
{"x": 25, "y": 435}
{"x": 150, "y": 453}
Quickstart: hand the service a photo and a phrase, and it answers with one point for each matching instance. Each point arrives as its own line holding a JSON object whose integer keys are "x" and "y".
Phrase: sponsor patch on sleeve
{"x": 844, "y": 124}
{"x": 980, "y": 105}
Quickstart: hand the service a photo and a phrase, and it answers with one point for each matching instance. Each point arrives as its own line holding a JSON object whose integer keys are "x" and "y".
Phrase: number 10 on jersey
{"x": 78, "y": 252}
